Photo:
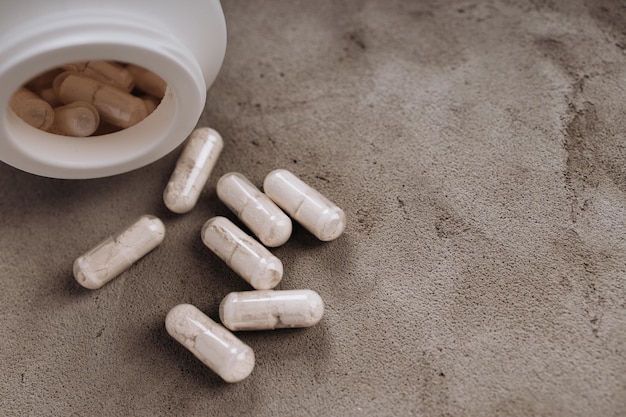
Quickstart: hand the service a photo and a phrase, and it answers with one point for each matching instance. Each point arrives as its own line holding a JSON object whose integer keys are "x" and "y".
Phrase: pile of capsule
{"x": 262, "y": 213}
{"x": 88, "y": 98}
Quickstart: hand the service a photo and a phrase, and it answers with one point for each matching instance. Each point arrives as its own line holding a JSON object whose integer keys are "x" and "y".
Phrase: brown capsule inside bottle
{"x": 70, "y": 99}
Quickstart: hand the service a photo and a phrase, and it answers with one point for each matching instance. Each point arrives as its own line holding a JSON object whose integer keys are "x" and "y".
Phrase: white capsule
{"x": 214, "y": 345}
{"x": 268, "y": 310}
{"x": 247, "y": 257}
{"x": 117, "y": 253}
{"x": 264, "y": 218}
{"x": 305, "y": 204}
{"x": 192, "y": 170}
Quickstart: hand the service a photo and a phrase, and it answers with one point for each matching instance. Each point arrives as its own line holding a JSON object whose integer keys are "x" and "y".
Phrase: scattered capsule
{"x": 247, "y": 257}
{"x": 32, "y": 109}
{"x": 77, "y": 119}
{"x": 147, "y": 81}
{"x": 214, "y": 345}
{"x": 115, "y": 106}
{"x": 268, "y": 310}
{"x": 305, "y": 204}
{"x": 264, "y": 218}
{"x": 192, "y": 170}
{"x": 117, "y": 253}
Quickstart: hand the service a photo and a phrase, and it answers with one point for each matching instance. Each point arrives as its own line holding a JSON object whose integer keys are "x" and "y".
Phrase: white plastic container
{"x": 183, "y": 42}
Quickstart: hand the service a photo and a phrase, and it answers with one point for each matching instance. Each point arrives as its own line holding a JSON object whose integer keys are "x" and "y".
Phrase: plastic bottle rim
{"x": 45, "y": 44}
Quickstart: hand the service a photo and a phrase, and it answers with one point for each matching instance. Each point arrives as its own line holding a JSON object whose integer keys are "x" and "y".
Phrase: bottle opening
{"x": 89, "y": 98}
{"x": 127, "y": 136}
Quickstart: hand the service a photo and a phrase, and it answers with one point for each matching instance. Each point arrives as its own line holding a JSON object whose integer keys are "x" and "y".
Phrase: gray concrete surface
{"x": 477, "y": 148}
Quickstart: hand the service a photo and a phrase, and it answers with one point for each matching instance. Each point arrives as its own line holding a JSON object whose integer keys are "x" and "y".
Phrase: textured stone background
{"x": 478, "y": 150}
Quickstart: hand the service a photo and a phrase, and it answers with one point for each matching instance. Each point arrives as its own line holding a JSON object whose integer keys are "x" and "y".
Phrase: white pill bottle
{"x": 183, "y": 42}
